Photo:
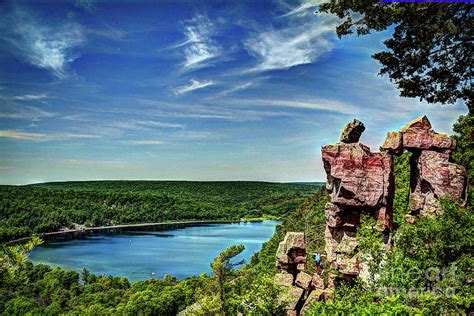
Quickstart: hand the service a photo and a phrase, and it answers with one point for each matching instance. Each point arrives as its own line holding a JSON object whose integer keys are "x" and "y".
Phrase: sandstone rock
{"x": 393, "y": 143}
{"x": 317, "y": 282}
{"x": 352, "y": 131}
{"x": 303, "y": 280}
{"x": 435, "y": 177}
{"x": 358, "y": 177}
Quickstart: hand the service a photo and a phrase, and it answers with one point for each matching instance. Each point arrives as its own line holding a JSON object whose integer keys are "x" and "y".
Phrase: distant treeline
{"x": 51, "y": 206}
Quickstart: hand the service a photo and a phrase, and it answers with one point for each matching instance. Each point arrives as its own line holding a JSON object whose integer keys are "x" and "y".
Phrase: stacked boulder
{"x": 432, "y": 174}
{"x": 291, "y": 263}
{"x": 358, "y": 181}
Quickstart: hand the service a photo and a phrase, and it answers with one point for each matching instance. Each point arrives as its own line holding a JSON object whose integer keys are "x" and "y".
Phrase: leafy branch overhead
{"x": 429, "y": 55}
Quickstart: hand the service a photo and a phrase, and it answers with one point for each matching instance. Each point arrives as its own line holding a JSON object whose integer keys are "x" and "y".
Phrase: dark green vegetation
{"x": 429, "y": 55}
{"x": 51, "y": 206}
{"x": 441, "y": 246}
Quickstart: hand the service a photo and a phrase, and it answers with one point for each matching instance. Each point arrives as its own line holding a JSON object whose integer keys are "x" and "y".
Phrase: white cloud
{"x": 321, "y": 104}
{"x": 194, "y": 85}
{"x": 42, "y": 137}
{"x": 147, "y": 142}
{"x": 44, "y": 45}
{"x": 302, "y": 41}
{"x": 90, "y": 163}
{"x": 199, "y": 46}
{"x": 307, "y": 7}
{"x": 22, "y": 112}
{"x": 31, "y": 97}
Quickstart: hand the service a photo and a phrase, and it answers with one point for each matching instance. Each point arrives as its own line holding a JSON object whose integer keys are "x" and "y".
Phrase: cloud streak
{"x": 42, "y": 137}
{"x": 194, "y": 85}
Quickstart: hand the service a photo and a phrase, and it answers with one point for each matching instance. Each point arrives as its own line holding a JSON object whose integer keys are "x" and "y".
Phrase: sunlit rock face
{"x": 359, "y": 181}
{"x": 291, "y": 254}
{"x": 433, "y": 175}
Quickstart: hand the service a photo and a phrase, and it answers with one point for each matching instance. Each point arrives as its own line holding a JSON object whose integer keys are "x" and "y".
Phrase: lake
{"x": 140, "y": 255}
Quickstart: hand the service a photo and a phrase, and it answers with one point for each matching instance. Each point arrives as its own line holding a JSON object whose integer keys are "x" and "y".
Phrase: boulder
{"x": 317, "y": 282}
{"x": 291, "y": 253}
{"x": 352, "y": 131}
{"x": 303, "y": 280}
{"x": 430, "y": 140}
{"x": 393, "y": 144}
{"x": 419, "y": 124}
{"x": 333, "y": 215}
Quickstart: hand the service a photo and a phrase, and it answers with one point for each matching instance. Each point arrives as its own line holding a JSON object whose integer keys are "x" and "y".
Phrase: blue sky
{"x": 192, "y": 90}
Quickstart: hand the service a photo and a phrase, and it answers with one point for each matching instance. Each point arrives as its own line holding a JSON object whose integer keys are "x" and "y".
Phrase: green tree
{"x": 223, "y": 268}
{"x": 429, "y": 54}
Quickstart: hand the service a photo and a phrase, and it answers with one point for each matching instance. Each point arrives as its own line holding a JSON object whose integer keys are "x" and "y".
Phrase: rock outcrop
{"x": 358, "y": 180}
{"x": 291, "y": 254}
{"x": 433, "y": 175}
{"x": 352, "y": 131}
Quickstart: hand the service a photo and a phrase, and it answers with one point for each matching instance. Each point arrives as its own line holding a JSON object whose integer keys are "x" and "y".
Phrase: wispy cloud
{"x": 199, "y": 46}
{"x": 143, "y": 125}
{"x": 42, "y": 137}
{"x": 91, "y": 163}
{"x": 321, "y": 104}
{"x": 31, "y": 97}
{"x": 44, "y": 45}
{"x": 193, "y": 85}
{"x": 302, "y": 41}
{"x": 307, "y": 7}
{"x": 147, "y": 142}
{"x": 22, "y": 112}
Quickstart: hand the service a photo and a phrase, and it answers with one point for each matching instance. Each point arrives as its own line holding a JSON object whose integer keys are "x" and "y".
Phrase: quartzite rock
{"x": 358, "y": 177}
{"x": 352, "y": 131}
{"x": 393, "y": 143}
{"x": 418, "y": 134}
{"x": 303, "y": 280}
{"x": 435, "y": 177}
{"x": 358, "y": 181}
{"x": 291, "y": 253}
{"x": 317, "y": 282}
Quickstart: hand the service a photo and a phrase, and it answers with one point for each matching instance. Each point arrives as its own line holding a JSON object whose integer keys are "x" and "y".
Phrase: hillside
{"x": 48, "y": 207}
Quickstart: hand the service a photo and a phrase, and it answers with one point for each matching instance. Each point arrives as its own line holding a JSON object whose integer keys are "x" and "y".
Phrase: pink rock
{"x": 435, "y": 177}
{"x": 393, "y": 143}
{"x": 356, "y": 176}
{"x": 317, "y": 282}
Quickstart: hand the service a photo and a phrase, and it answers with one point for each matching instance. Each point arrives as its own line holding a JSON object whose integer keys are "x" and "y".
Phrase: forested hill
{"x": 51, "y": 206}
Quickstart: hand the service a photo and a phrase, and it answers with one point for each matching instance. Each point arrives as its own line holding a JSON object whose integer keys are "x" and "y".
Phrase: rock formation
{"x": 291, "y": 255}
{"x": 432, "y": 174}
{"x": 301, "y": 287}
{"x": 358, "y": 181}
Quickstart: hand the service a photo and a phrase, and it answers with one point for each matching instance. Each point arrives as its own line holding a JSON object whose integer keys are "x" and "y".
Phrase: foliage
{"x": 53, "y": 206}
{"x": 429, "y": 269}
{"x": 464, "y": 153}
{"x": 429, "y": 54}
{"x": 223, "y": 268}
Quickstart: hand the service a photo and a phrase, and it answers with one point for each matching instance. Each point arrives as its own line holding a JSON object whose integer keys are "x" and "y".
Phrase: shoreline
{"x": 119, "y": 226}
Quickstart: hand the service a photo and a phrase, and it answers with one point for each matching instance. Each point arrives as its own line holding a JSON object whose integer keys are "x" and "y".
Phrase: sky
{"x": 186, "y": 90}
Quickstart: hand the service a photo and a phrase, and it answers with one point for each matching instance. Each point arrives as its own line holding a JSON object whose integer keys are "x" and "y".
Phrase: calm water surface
{"x": 142, "y": 255}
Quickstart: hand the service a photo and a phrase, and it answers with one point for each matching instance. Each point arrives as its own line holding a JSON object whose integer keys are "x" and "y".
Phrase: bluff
{"x": 360, "y": 181}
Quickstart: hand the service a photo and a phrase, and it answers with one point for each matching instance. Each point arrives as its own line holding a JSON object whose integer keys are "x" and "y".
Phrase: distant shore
{"x": 100, "y": 228}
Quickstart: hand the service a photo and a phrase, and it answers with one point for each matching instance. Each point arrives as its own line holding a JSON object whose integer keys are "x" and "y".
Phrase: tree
{"x": 430, "y": 52}
{"x": 222, "y": 268}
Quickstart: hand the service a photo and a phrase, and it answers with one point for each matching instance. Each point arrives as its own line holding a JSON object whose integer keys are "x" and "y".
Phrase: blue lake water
{"x": 140, "y": 255}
